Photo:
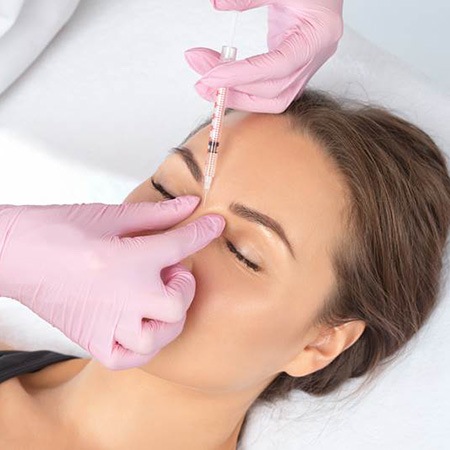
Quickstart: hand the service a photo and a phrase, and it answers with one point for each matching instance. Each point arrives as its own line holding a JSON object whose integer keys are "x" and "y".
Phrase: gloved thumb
{"x": 202, "y": 59}
{"x": 180, "y": 285}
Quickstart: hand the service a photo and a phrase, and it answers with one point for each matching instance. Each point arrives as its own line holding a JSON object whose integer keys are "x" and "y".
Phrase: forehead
{"x": 268, "y": 166}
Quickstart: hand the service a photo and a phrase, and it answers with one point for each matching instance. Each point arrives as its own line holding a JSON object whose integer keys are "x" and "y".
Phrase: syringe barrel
{"x": 218, "y": 114}
{"x": 210, "y": 167}
{"x": 228, "y": 53}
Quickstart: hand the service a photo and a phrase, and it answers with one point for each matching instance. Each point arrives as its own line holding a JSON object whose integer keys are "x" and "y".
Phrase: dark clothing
{"x": 18, "y": 362}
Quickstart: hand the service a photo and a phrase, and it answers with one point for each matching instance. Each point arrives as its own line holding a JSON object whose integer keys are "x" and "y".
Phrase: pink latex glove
{"x": 302, "y": 35}
{"x": 70, "y": 265}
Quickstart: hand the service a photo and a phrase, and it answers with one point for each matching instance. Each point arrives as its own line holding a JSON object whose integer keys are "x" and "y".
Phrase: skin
{"x": 243, "y": 327}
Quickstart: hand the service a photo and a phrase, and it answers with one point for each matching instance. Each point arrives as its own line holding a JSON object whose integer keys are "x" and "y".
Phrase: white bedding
{"x": 96, "y": 113}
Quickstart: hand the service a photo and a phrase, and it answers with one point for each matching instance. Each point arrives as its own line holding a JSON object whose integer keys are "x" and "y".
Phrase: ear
{"x": 326, "y": 346}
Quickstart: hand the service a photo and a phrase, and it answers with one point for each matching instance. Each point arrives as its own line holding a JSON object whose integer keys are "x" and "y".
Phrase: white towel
{"x": 26, "y": 28}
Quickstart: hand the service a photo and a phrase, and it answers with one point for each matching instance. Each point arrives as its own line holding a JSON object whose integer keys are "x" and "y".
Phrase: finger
{"x": 202, "y": 59}
{"x": 277, "y": 105}
{"x": 280, "y": 62}
{"x": 177, "y": 293}
{"x": 246, "y": 102}
{"x": 239, "y": 5}
{"x": 178, "y": 244}
{"x": 271, "y": 88}
{"x": 122, "y": 358}
{"x": 209, "y": 93}
{"x": 146, "y": 336}
{"x": 131, "y": 217}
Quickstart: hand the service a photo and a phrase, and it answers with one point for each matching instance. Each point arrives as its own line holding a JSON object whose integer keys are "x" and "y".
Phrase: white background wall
{"x": 417, "y": 31}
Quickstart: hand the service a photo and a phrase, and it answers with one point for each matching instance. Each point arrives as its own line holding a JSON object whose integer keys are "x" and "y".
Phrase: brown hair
{"x": 389, "y": 264}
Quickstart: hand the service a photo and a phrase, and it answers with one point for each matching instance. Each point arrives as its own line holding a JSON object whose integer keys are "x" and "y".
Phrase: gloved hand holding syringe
{"x": 302, "y": 35}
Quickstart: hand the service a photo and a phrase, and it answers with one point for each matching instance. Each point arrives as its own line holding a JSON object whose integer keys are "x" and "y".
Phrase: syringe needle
{"x": 206, "y": 186}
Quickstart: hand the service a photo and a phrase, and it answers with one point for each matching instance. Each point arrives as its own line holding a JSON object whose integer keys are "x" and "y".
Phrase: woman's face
{"x": 283, "y": 202}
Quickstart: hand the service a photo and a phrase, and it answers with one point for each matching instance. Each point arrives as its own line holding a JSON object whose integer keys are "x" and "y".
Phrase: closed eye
{"x": 229, "y": 244}
{"x": 241, "y": 257}
{"x": 161, "y": 190}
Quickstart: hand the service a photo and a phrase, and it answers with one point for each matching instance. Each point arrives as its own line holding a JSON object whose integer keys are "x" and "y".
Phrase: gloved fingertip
{"x": 167, "y": 273}
{"x": 222, "y": 6}
{"x": 199, "y": 65}
{"x": 191, "y": 200}
{"x": 211, "y": 83}
{"x": 223, "y": 75}
{"x": 238, "y": 5}
{"x": 191, "y": 54}
{"x": 206, "y": 92}
{"x": 217, "y": 221}
{"x": 202, "y": 60}
{"x": 191, "y": 50}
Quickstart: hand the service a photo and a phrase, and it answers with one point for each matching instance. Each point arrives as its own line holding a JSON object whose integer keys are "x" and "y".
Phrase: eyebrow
{"x": 238, "y": 209}
{"x": 191, "y": 162}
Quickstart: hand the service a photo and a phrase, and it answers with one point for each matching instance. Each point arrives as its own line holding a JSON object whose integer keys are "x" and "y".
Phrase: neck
{"x": 132, "y": 408}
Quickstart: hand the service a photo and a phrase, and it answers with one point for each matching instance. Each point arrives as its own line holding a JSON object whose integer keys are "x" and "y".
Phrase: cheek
{"x": 238, "y": 329}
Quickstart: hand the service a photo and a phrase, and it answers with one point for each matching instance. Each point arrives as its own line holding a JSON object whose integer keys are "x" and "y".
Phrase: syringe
{"x": 228, "y": 54}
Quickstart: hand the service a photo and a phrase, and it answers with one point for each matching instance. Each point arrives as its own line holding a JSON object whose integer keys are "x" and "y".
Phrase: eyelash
{"x": 161, "y": 190}
{"x": 230, "y": 246}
